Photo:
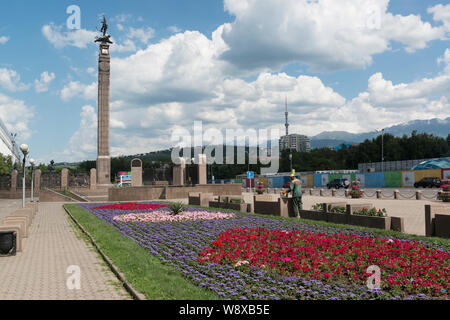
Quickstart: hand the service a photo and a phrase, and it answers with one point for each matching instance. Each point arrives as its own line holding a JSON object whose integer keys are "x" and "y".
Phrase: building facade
{"x": 297, "y": 142}
{"x": 8, "y": 147}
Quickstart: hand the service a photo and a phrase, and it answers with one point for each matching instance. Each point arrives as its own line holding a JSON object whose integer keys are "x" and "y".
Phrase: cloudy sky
{"x": 353, "y": 65}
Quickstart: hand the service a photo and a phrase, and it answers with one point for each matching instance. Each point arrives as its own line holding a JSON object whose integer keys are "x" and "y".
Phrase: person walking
{"x": 296, "y": 189}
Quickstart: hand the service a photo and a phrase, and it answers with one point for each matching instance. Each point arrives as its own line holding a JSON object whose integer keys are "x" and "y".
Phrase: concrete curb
{"x": 128, "y": 287}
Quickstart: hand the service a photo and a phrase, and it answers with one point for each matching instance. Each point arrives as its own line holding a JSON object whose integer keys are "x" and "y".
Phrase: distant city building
{"x": 8, "y": 147}
{"x": 297, "y": 142}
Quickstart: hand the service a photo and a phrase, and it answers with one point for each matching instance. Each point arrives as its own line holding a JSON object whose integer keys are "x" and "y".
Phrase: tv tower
{"x": 287, "y": 120}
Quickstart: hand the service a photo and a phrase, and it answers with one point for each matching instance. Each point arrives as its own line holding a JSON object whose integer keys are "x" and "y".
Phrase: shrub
{"x": 176, "y": 208}
{"x": 371, "y": 212}
{"x": 318, "y": 207}
{"x": 338, "y": 209}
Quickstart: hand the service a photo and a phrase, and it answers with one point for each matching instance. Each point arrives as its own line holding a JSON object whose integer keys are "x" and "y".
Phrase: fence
{"x": 79, "y": 180}
{"x": 389, "y": 165}
{"x": 51, "y": 180}
{"x": 152, "y": 175}
{"x": 5, "y": 182}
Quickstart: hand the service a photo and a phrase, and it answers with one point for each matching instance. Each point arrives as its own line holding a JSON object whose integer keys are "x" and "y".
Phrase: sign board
{"x": 250, "y": 175}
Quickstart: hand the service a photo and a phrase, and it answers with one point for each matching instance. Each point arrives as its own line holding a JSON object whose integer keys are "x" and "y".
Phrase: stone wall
{"x": 437, "y": 221}
{"x": 170, "y": 192}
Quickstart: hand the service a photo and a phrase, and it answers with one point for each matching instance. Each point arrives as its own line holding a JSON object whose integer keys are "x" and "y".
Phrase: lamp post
{"x": 290, "y": 159}
{"x": 193, "y": 163}
{"x": 24, "y": 148}
{"x": 32, "y": 161}
{"x": 382, "y": 148}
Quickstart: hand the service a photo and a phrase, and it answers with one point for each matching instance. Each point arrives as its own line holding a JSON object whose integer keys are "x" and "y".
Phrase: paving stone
{"x": 39, "y": 272}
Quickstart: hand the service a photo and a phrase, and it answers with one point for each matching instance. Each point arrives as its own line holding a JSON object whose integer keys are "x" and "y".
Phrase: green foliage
{"x": 6, "y": 164}
{"x": 335, "y": 209}
{"x": 417, "y": 146}
{"x": 373, "y": 212}
{"x": 176, "y": 208}
{"x": 318, "y": 207}
{"x": 338, "y": 209}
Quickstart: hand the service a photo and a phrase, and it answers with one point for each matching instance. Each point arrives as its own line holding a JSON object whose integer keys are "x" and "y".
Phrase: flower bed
{"x": 180, "y": 244}
{"x": 343, "y": 258}
{"x": 131, "y": 206}
{"x": 373, "y": 212}
{"x": 166, "y": 216}
{"x": 444, "y": 194}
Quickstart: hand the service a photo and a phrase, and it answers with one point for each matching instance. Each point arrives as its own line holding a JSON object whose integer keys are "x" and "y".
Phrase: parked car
{"x": 428, "y": 182}
{"x": 338, "y": 183}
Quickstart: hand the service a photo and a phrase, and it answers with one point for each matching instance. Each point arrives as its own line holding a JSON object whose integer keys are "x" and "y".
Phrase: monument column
{"x": 103, "y": 158}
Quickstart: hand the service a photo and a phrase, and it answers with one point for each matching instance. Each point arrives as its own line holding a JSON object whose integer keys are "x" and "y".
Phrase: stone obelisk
{"x": 103, "y": 156}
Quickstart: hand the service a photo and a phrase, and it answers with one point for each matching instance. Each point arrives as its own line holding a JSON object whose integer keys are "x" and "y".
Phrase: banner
{"x": 324, "y": 180}
{"x": 393, "y": 179}
{"x": 408, "y": 179}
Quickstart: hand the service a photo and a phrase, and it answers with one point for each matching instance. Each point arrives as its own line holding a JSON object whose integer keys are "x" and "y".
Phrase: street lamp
{"x": 32, "y": 161}
{"x": 24, "y": 148}
{"x": 382, "y": 149}
{"x": 290, "y": 159}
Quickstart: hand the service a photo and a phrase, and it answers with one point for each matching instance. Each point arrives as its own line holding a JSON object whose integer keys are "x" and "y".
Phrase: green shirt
{"x": 296, "y": 188}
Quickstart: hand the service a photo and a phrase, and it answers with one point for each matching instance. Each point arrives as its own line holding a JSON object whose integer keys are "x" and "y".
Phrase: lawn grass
{"x": 142, "y": 270}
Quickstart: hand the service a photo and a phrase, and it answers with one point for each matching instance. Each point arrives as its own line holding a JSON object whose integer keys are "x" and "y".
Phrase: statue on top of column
{"x": 104, "y": 38}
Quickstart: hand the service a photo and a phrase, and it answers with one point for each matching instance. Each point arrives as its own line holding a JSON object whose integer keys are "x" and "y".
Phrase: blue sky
{"x": 343, "y": 67}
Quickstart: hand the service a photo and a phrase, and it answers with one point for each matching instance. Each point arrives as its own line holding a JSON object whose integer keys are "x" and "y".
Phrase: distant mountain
{"x": 328, "y": 143}
{"x": 437, "y": 127}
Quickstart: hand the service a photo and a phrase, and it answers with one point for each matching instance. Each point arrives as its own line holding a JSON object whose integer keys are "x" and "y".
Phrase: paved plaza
{"x": 54, "y": 244}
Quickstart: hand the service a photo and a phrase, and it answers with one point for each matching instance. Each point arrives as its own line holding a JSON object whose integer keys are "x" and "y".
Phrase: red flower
{"x": 335, "y": 258}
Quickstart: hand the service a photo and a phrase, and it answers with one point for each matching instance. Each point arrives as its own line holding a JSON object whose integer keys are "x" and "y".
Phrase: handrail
{"x": 60, "y": 194}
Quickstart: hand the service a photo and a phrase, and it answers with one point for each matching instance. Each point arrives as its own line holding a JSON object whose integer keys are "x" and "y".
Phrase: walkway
{"x": 54, "y": 244}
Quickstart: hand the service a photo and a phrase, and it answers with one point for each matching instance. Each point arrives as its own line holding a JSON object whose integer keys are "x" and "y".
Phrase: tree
{"x": 6, "y": 164}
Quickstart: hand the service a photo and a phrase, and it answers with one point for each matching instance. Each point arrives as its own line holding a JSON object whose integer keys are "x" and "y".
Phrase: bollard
{"x": 396, "y": 194}
{"x": 321, "y": 192}
{"x": 378, "y": 194}
{"x": 347, "y": 193}
{"x": 333, "y": 193}
{"x": 310, "y": 192}
{"x": 418, "y": 195}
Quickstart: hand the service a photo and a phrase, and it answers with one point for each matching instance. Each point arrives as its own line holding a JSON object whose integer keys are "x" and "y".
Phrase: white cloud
{"x": 326, "y": 34}
{"x": 10, "y": 80}
{"x": 76, "y": 38}
{"x": 189, "y": 77}
{"x": 4, "y": 39}
{"x": 142, "y": 34}
{"x": 174, "y": 29}
{"x": 83, "y": 143}
{"x": 445, "y": 59}
{"x": 127, "y": 46}
{"x": 43, "y": 83}
{"x": 76, "y": 88}
{"x": 16, "y": 116}
{"x": 91, "y": 71}
{"x": 441, "y": 13}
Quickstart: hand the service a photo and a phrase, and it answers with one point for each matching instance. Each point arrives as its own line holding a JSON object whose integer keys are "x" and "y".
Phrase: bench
{"x": 18, "y": 232}
{"x": 17, "y": 221}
